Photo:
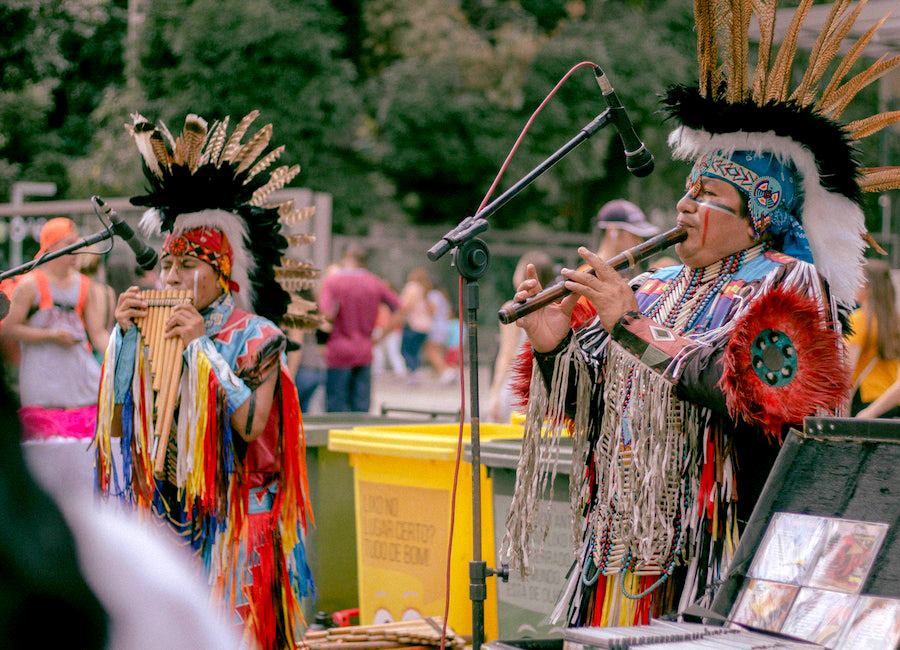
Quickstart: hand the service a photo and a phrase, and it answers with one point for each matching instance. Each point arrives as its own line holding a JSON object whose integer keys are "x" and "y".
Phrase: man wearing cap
{"x": 624, "y": 226}
{"x": 53, "y": 315}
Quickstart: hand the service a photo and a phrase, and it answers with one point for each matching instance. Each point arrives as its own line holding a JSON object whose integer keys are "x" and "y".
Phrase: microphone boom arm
{"x": 87, "y": 241}
{"x": 464, "y": 230}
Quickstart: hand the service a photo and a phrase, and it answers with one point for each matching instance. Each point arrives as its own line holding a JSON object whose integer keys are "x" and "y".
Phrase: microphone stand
{"x": 471, "y": 258}
{"x": 87, "y": 241}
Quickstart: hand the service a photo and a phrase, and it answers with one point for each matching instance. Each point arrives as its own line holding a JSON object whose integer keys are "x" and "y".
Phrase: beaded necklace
{"x": 693, "y": 292}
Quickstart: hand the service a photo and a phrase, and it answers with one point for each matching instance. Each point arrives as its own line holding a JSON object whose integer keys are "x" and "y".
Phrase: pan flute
{"x": 165, "y": 362}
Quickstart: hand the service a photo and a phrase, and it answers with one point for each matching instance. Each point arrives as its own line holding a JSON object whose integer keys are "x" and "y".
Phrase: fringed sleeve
{"x": 123, "y": 377}
{"x": 563, "y": 398}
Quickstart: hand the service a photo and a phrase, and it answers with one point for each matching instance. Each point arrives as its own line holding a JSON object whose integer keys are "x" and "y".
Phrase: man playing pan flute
{"x": 231, "y": 477}
{"x": 679, "y": 392}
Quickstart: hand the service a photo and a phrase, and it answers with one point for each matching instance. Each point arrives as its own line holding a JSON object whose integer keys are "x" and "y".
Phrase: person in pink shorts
{"x": 57, "y": 323}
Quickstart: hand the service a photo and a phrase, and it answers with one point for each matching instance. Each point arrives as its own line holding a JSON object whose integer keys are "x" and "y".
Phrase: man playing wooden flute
{"x": 680, "y": 387}
{"x": 233, "y": 480}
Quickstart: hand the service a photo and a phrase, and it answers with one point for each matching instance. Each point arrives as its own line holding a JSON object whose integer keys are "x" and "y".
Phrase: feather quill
{"x": 707, "y": 54}
{"x": 845, "y": 94}
{"x": 189, "y": 145}
{"x": 880, "y": 179}
{"x": 864, "y": 128}
{"x": 826, "y": 47}
{"x": 279, "y": 178}
{"x": 765, "y": 13}
{"x": 739, "y": 48}
{"x": 780, "y": 77}
{"x": 849, "y": 59}
{"x": 234, "y": 142}
{"x": 264, "y": 163}
{"x": 302, "y": 239}
{"x": 141, "y": 130}
{"x": 215, "y": 143}
{"x": 255, "y": 146}
{"x": 295, "y": 216}
{"x": 160, "y": 150}
{"x": 293, "y": 265}
{"x": 170, "y": 141}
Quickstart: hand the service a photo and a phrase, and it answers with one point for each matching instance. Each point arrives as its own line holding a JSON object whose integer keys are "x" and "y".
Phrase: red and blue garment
{"x": 243, "y": 506}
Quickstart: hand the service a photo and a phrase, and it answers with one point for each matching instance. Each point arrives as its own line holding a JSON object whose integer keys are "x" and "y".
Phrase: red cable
{"x": 462, "y": 377}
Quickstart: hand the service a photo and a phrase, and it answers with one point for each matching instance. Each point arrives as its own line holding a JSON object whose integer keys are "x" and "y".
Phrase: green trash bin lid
{"x": 504, "y": 454}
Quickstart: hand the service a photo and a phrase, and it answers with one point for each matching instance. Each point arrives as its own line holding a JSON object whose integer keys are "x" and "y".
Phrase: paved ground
{"x": 424, "y": 393}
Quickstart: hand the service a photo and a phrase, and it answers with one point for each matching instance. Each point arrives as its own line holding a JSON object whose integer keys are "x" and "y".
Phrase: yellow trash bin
{"x": 403, "y": 478}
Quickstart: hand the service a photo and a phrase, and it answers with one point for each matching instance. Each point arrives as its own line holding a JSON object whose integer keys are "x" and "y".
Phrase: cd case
{"x": 818, "y": 551}
{"x": 805, "y": 582}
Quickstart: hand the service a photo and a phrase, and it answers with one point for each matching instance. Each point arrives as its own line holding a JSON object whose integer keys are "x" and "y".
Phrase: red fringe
{"x": 293, "y": 493}
{"x": 599, "y": 597}
{"x": 210, "y": 452}
{"x": 272, "y": 603}
{"x": 260, "y": 593}
{"x": 822, "y": 380}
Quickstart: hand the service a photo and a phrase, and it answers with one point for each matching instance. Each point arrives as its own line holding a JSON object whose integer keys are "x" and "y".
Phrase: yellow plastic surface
{"x": 403, "y": 477}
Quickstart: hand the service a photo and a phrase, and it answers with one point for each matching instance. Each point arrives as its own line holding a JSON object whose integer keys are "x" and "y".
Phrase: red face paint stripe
{"x": 705, "y": 225}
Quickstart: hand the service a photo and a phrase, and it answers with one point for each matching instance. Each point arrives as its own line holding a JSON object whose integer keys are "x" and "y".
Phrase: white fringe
{"x": 640, "y": 494}
{"x": 529, "y": 514}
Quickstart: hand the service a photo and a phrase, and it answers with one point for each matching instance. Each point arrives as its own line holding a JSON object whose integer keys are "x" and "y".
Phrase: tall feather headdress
{"x": 784, "y": 147}
{"x": 207, "y": 178}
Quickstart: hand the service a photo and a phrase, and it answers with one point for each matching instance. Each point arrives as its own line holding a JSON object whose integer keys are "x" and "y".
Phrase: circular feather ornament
{"x": 782, "y": 363}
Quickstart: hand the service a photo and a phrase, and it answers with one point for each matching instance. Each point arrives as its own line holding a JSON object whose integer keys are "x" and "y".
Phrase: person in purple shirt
{"x": 349, "y": 299}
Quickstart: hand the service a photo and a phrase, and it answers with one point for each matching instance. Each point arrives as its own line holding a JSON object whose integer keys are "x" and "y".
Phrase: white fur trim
{"x": 234, "y": 228}
{"x": 834, "y": 224}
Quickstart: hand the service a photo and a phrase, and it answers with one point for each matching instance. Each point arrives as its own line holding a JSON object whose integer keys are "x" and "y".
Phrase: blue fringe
{"x": 125, "y": 444}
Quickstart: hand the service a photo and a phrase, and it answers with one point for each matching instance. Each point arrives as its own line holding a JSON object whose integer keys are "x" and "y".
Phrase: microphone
{"x": 146, "y": 256}
{"x": 637, "y": 158}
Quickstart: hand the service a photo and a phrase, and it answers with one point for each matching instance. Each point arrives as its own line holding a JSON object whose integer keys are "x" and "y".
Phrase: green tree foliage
{"x": 403, "y": 110}
{"x": 452, "y": 84}
{"x": 56, "y": 59}
{"x": 220, "y": 57}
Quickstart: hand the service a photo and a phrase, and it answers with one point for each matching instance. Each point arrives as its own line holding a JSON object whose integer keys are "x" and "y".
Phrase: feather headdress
{"x": 732, "y": 120}
{"x": 207, "y": 178}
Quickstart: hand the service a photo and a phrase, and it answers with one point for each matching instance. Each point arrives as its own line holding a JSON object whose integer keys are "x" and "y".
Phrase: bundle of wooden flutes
{"x": 421, "y": 633}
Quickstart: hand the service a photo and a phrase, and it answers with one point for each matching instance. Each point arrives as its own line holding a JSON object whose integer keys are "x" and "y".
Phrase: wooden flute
{"x": 623, "y": 260}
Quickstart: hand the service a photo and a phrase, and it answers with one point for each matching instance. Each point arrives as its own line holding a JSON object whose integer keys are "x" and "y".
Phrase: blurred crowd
{"x": 60, "y": 316}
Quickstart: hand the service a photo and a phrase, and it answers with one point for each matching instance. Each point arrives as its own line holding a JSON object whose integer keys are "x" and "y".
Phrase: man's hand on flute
{"x": 548, "y": 326}
{"x": 607, "y": 290}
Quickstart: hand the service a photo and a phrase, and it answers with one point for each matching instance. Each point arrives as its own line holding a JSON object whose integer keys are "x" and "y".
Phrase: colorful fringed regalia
{"x": 677, "y": 413}
{"x": 242, "y": 506}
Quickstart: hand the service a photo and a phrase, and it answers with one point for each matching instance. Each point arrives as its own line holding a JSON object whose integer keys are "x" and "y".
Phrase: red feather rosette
{"x": 782, "y": 362}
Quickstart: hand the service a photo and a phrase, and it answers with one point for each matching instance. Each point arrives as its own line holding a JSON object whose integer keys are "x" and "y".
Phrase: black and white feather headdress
{"x": 729, "y": 111}
{"x": 207, "y": 178}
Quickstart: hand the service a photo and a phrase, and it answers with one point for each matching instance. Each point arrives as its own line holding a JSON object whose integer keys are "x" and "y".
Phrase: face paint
{"x": 713, "y": 205}
{"x": 705, "y": 212}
